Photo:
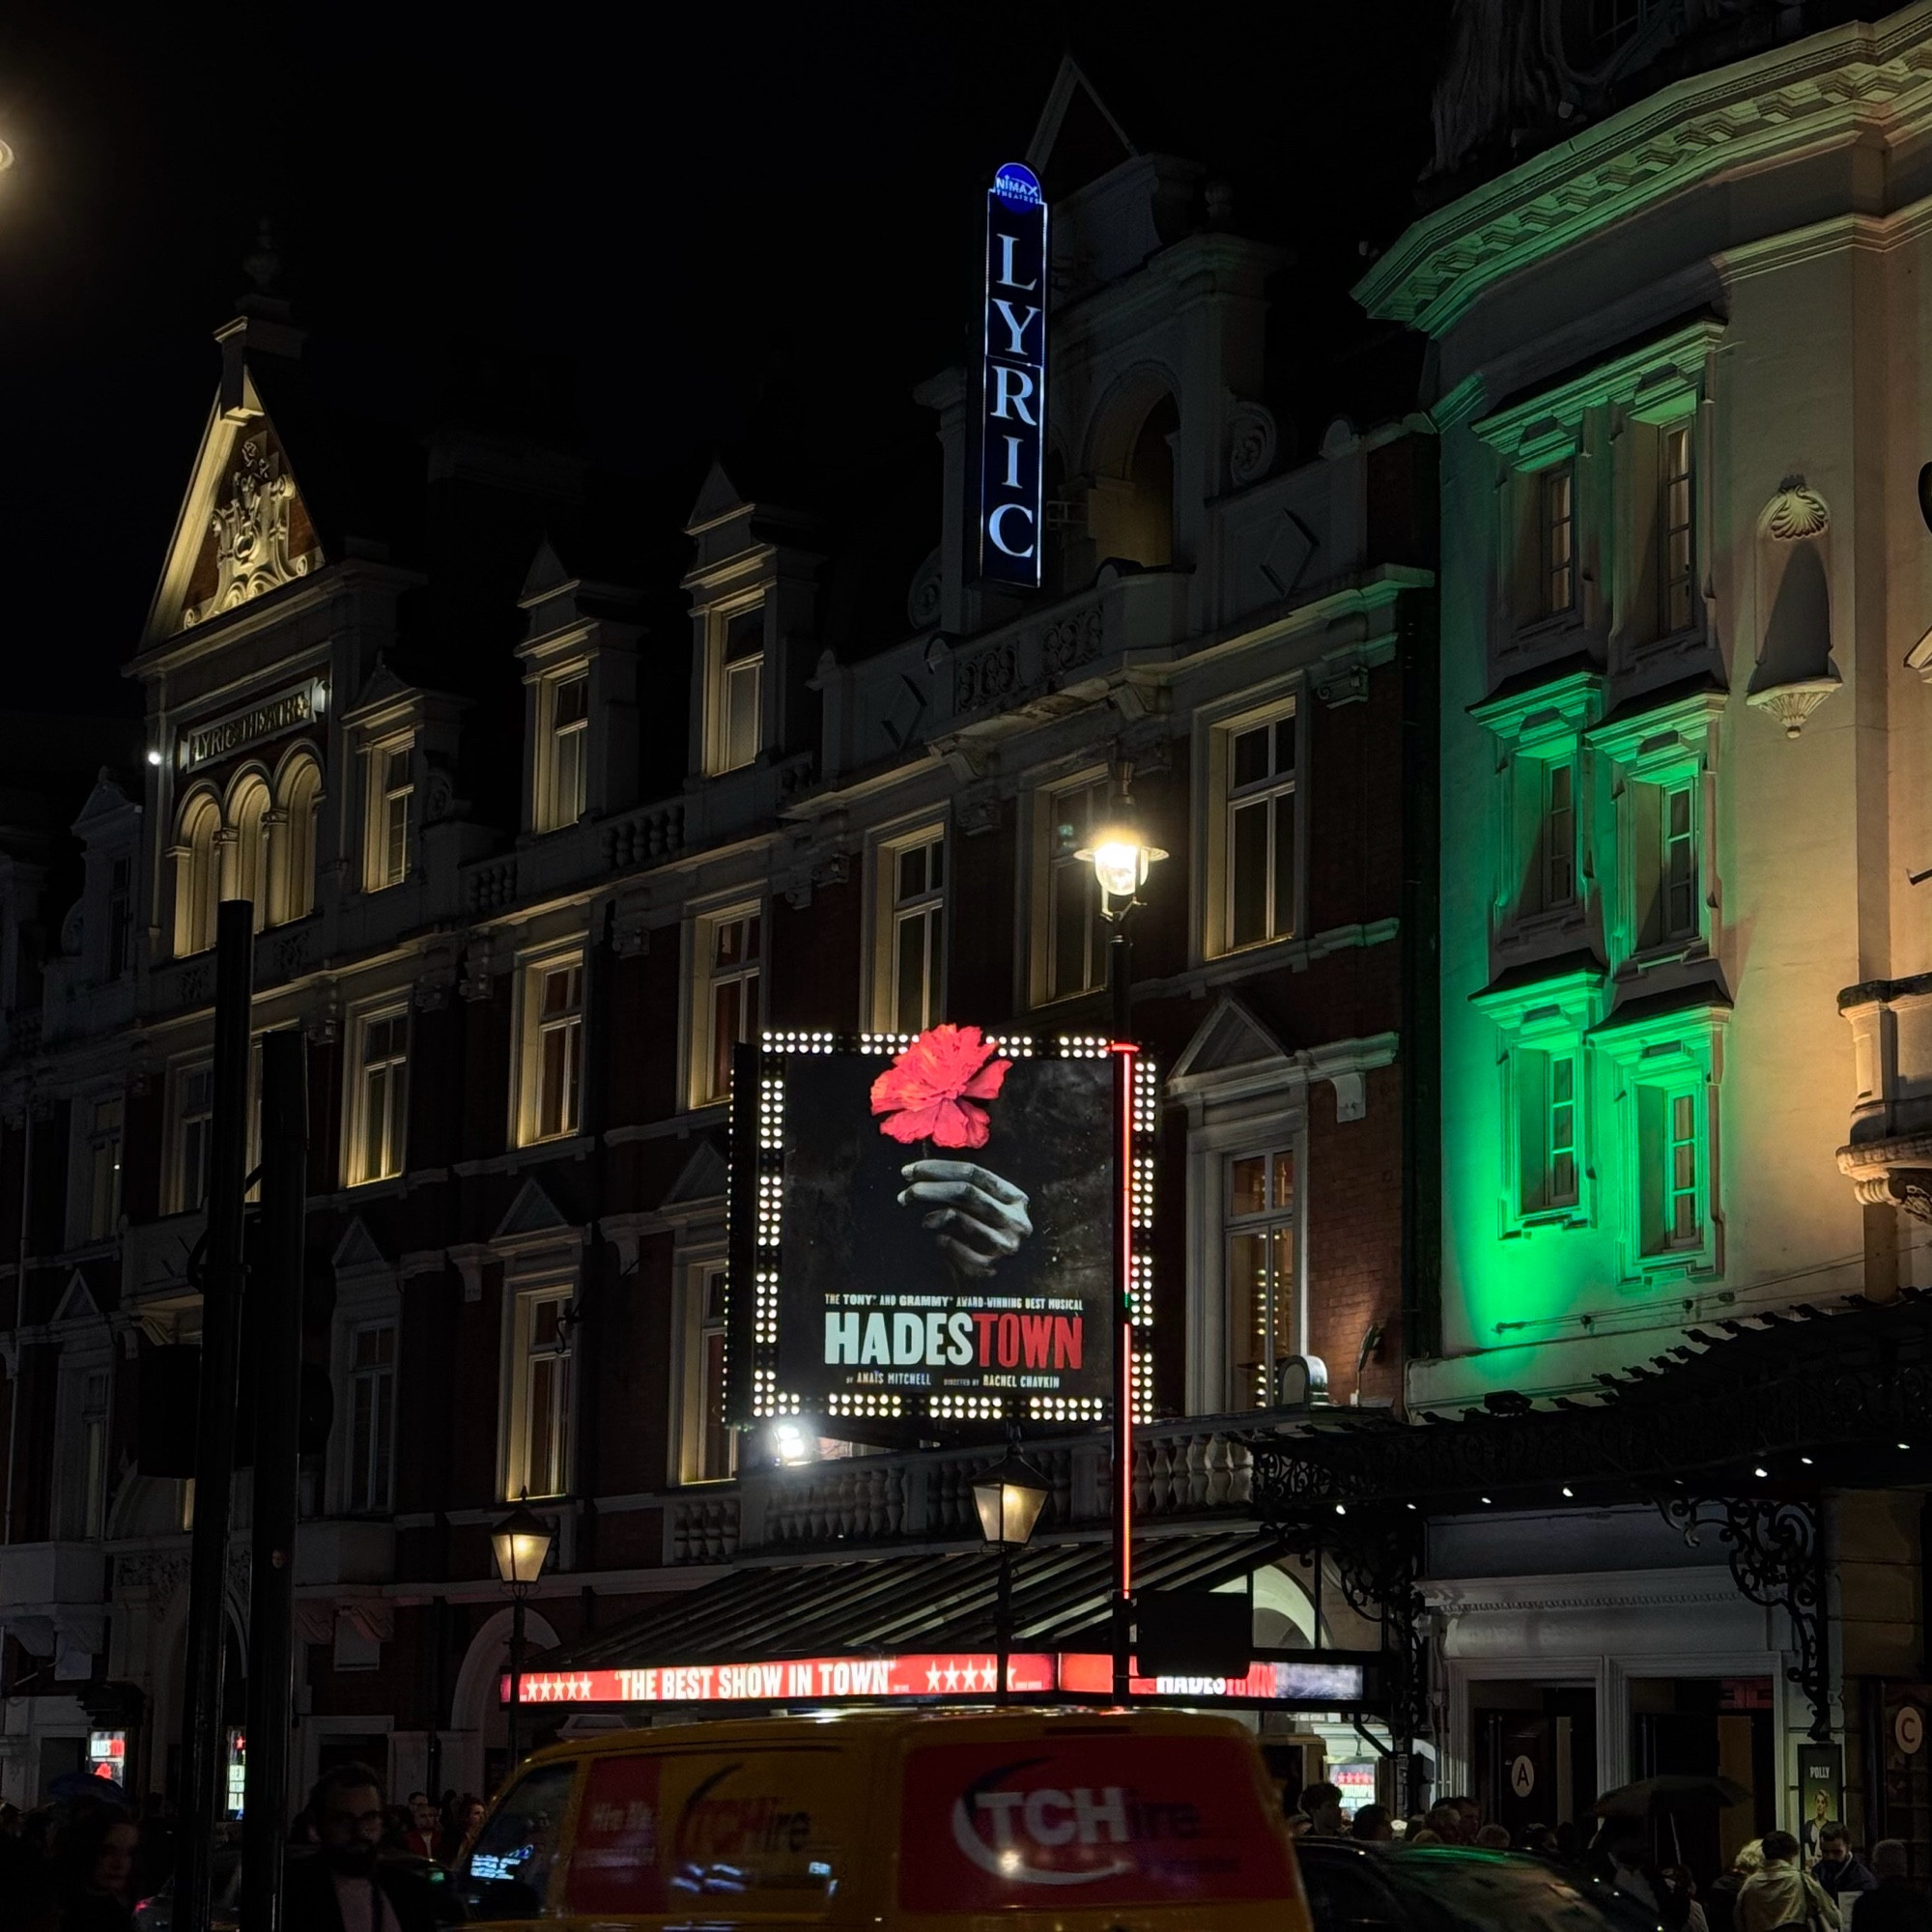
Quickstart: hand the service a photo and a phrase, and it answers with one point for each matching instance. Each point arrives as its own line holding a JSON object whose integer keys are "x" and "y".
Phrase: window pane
{"x": 909, "y": 1013}
{"x": 1284, "y": 746}
{"x": 1247, "y": 1184}
{"x": 1070, "y": 881}
{"x": 1247, "y": 1298}
{"x": 935, "y": 865}
{"x": 543, "y": 1414}
{"x": 715, "y": 1450}
{"x": 1251, "y": 756}
{"x": 1282, "y": 918}
{"x": 378, "y": 1475}
{"x": 1248, "y": 870}
{"x": 728, "y": 1006}
{"x": 361, "y": 1426}
{"x": 1284, "y": 1180}
{"x": 573, "y": 701}
{"x": 741, "y": 715}
{"x": 1281, "y": 1291}
{"x": 554, "y": 1070}
{"x": 744, "y": 635}
{"x": 912, "y": 872}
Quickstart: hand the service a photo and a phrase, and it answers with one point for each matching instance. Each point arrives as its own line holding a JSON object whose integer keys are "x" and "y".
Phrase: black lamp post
{"x": 1010, "y": 1497}
{"x": 520, "y": 1542}
{"x": 1122, "y": 856}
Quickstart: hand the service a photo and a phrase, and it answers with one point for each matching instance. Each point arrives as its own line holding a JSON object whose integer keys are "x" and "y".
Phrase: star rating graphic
{"x": 557, "y": 1688}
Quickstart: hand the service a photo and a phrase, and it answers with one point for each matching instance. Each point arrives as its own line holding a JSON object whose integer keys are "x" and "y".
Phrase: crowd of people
{"x": 85, "y": 1863}
{"x": 1769, "y": 1885}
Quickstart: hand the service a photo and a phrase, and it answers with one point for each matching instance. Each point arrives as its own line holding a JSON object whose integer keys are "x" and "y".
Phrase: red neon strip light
{"x": 926, "y": 1674}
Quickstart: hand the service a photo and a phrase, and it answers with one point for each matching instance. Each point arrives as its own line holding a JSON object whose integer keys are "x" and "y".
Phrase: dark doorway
{"x": 1705, "y": 1727}
{"x": 1536, "y": 1754}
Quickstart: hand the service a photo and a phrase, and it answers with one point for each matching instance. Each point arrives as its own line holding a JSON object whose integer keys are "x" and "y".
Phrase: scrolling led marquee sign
{"x": 923, "y": 1228}
{"x": 1013, "y": 380}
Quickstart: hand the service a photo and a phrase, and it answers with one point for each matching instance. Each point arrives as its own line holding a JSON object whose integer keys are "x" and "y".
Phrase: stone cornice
{"x": 1813, "y": 94}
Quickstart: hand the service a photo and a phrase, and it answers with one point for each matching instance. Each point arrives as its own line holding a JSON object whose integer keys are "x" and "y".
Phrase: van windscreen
{"x": 1065, "y": 1821}
{"x": 768, "y": 1829}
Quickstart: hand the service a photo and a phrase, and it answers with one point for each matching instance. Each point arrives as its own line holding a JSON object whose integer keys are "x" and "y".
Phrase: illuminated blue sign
{"x": 1013, "y": 380}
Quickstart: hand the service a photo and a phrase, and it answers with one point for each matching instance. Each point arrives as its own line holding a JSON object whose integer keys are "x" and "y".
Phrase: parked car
{"x": 1359, "y": 1887}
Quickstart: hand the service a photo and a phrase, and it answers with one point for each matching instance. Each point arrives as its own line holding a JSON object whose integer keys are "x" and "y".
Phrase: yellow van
{"x": 1027, "y": 1820}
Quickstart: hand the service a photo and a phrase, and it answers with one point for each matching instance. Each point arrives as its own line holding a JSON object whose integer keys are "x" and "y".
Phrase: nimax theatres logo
{"x": 1030, "y": 1833}
{"x": 1013, "y": 386}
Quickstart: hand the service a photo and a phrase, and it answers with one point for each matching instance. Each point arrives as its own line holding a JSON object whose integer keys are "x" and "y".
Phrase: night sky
{"x": 771, "y": 232}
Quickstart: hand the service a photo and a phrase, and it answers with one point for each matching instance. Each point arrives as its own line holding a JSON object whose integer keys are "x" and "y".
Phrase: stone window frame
{"x": 1532, "y": 729}
{"x": 1648, "y": 753}
{"x": 1667, "y": 1055}
{"x": 1548, "y": 1016}
{"x": 1605, "y": 422}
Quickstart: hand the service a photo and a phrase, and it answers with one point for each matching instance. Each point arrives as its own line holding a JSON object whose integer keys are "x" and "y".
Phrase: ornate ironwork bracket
{"x": 1377, "y": 1556}
{"x": 1776, "y": 1548}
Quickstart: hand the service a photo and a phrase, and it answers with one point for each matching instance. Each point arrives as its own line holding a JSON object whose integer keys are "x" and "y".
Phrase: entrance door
{"x": 1702, "y": 1726}
{"x": 1535, "y": 1753}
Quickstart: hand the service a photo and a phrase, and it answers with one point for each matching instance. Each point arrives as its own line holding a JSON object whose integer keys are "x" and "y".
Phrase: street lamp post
{"x": 520, "y": 1542}
{"x": 1122, "y": 856}
{"x": 1010, "y": 1497}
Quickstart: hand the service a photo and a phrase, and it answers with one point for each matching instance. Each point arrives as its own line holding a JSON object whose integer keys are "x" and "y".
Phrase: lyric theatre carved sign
{"x": 1013, "y": 382}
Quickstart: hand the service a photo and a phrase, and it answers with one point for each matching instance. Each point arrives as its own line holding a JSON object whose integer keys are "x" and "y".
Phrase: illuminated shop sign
{"x": 1013, "y": 380}
{"x": 924, "y": 1227}
{"x": 943, "y": 1674}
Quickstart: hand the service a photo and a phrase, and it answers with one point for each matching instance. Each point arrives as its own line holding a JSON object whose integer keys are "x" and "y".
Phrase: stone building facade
{"x": 535, "y": 831}
{"x": 1675, "y": 365}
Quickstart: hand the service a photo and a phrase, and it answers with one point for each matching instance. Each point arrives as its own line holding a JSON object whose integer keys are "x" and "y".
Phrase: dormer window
{"x": 736, "y": 688}
{"x": 567, "y": 705}
{"x": 391, "y": 787}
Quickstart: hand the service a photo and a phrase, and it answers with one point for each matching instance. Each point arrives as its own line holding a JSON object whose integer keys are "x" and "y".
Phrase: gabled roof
{"x": 718, "y": 497}
{"x": 1076, "y": 139}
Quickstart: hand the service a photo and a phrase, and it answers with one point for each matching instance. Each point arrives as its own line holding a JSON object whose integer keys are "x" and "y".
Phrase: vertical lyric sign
{"x": 1012, "y": 386}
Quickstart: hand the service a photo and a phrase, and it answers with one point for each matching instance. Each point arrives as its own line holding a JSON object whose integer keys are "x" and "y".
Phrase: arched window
{"x": 1130, "y": 492}
{"x": 197, "y": 885}
{"x": 294, "y": 885}
{"x": 248, "y": 818}
{"x": 1150, "y": 471}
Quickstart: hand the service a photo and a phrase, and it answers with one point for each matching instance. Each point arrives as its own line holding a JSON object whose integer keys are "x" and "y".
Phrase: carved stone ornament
{"x": 1251, "y": 443}
{"x": 922, "y": 598}
{"x": 1795, "y": 512}
{"x": 251, "y": 533}
{"x": 1791, "y": 704}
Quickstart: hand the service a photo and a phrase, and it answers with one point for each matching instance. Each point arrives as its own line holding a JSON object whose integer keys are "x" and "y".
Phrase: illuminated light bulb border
{"x": 768, "y": 1206}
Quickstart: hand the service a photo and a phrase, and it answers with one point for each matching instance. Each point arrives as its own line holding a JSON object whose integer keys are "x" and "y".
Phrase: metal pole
{"x": 516, "y": 1679}
{"x": 275, "y": 1315}
{"x": 1119, "y": 987}
{"x": 1004, "y": 1616}
{"x": 215, "y": 1442}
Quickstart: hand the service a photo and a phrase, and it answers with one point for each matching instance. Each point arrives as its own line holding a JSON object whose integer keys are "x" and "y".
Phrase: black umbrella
{"x": 1674, "y": 1791}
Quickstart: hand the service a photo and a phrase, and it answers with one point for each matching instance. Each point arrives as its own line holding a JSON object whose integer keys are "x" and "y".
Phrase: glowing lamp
{"x": 520, "y": 1542}
{"x": 1119, "y": 850}
{"x": 1010, "y": 1497}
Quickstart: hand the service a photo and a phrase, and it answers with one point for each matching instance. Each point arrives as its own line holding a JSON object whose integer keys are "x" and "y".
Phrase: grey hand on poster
{"x": 977, "y": 1219}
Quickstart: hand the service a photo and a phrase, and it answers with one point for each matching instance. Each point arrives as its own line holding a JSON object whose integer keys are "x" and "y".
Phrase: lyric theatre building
{"x": 541, "y": 824}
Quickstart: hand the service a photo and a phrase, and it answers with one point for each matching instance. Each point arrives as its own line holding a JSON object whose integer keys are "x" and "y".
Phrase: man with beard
{"x": 345, "y": 1886}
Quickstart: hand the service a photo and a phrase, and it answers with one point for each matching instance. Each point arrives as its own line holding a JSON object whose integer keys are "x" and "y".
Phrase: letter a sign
{"x": 1012, "y": 392}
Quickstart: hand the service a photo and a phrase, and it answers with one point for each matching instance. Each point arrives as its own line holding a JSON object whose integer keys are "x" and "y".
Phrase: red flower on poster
{"x": 927, "y": 1092}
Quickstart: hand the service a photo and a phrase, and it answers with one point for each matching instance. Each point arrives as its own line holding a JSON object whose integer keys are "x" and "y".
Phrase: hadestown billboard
{"x": 926, "y": 1228}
